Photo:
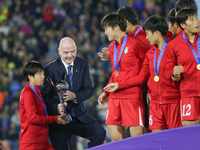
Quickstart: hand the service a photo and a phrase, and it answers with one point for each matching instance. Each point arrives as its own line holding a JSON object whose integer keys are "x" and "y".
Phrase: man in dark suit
{"x": 80, "y": 89}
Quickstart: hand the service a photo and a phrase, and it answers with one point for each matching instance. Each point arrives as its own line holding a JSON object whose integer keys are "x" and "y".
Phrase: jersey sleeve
{"x": 138, "y": 79}
{"x": 170, "y": 61}
{"x": 32, "y": 111}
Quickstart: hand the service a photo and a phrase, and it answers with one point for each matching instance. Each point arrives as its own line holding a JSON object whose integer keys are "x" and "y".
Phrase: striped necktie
{"x": 70, "y": 76}
{"x": 71, "y": 85}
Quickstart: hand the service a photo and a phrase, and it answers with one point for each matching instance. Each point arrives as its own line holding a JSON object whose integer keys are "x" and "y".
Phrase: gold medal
{"x": 198, "y": 67}
{"x": 116, "y": 73}
{"x": 156, "y": 78}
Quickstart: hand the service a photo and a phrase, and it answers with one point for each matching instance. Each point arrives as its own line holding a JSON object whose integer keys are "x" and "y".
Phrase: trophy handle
{"x": 60, "y": 97}
{"x": 62, "y": 100}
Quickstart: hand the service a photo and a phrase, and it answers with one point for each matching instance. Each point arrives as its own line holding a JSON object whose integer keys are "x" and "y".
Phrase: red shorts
{"x": 164, "y": 115}
{"x": 190, "y": 108}
{"x": 126, "y": 112}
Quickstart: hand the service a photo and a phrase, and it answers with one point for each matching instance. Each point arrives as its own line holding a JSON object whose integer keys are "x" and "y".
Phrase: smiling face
{"x": 191, "y": 25}
{"x": 67, "y": 50}
{"x": 110, "y": 33}
{"x": 37, "y": 79}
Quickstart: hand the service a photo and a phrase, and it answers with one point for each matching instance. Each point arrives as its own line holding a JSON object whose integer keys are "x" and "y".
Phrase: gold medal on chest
{"x": 156, "y": 78}
{"x": 116, "y": 73}
{"x": 198, "y": 67}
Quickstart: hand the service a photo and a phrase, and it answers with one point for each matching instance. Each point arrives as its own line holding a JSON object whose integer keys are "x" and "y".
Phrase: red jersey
{"x": 180, "y": 32}
{"x": 162, "y": 92}
{"x": 130, "y": 65}
{"x": 141, "y": 36}
{"x": 179, "y": 53}
{"x": 34, "y": 122}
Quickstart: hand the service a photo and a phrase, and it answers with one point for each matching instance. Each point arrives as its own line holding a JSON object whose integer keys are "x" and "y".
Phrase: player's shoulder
{"x": 133, "y": 40}
{"x": 174, "y": 41}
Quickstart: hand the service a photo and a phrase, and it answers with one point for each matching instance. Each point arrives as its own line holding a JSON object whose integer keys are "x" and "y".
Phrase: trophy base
{"x": 67, "y": 118}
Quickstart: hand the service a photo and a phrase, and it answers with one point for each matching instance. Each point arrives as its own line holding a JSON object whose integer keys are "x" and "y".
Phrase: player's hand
{"x": 148, "y": 98}
{"x": 178, "y": 70}
{"x": 176, "y": 78}
{"x": 104, "y": 55}
{"x": 102, "y": 98}
{"x": 60, "y": 120}
{"x": 68, "y": 96}
{"x": 61, "y": 108}
{"x": 111, "y": 87}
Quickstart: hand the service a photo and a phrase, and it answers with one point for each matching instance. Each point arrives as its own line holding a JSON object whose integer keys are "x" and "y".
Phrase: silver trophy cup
{"x": 61, "y": 87}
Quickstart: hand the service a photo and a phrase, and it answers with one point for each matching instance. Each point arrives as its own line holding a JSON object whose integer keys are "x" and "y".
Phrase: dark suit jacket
{"x": 82, "y": 87}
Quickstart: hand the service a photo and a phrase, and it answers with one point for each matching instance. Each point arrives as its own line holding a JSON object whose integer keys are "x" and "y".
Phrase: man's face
{"x": 151, "y": 37}
{"x": 67, "y": 52}
{"x": 191, "y": 25}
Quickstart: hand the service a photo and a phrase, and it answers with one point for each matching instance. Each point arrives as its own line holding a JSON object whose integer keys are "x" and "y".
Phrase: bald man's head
{"x": 67, "y": 41}
{"x": 67, "y": 49}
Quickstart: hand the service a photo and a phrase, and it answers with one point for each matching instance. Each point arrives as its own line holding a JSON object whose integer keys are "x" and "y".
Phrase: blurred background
{"x": 32, "y": 29}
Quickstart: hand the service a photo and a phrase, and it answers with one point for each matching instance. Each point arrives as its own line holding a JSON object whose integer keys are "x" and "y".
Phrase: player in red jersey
{"x": 184, "y": 51}
{"x": 125, "y": 107}
{"x": 134, "y": 30}
{"x": 165, "y": 95}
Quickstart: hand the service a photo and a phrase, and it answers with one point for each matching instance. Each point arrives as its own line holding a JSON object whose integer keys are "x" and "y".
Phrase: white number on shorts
{"x": 150, "y": 120}
{"x": 186, "y": 110}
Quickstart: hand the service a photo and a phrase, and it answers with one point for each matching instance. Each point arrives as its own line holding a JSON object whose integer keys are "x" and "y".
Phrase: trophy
{"x": 61, "y": 87}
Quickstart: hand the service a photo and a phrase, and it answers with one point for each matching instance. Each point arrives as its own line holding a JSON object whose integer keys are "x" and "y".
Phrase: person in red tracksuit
{"x": 171, "y": 16}
{"x": 184, "y": 52}
{"x": 125, "y": 107}
{"x": 33, "y": 117}
{"x": 165, "y": 95}
{"x": 173, "y": 26}
{"x": 134, "y": 30}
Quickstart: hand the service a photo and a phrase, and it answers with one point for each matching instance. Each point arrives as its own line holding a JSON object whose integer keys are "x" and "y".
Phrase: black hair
{"x": 129, "y": 14}
{"x": 156, "y": 23}
{"x": 171, "y": 16}
{"x": 31, "y": 68}
{"x": 184, "y": 14}
{"x": 114, "y": 19}
{"x": 181, "y": 4}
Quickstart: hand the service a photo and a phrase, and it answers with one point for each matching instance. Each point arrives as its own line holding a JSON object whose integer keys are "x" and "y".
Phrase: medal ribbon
{"x": 120, "y": 55}
{"x": 138, "y": 30}
{"x": 197, "y": 58}
{"x": 45, "y": 109}
{"x": 160, "y": 57}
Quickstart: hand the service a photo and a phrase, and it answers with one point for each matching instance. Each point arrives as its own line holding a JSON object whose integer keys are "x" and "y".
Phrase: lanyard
{"x": 32, "y": 87}
{"x": 160, "y": 57}
{"x": 197, "y": 58}
{"x": 138, "y": 30}
{"x": 120, "y": 55}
